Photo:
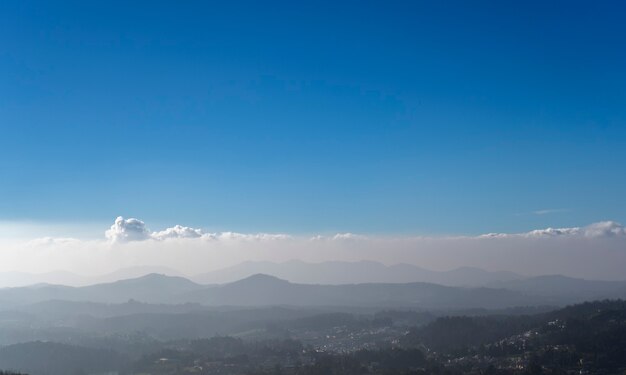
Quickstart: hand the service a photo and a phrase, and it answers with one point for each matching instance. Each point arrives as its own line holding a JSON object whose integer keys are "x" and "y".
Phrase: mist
{"x": 596, "y": 251}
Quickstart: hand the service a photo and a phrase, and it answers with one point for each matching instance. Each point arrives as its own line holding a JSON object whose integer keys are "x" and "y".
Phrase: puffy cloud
{"x": 553, "y": 232}
{"x": 595, "y": 230}
{"x": 593, "y": 251}
{"x": 178, "y": 231}
{"x": 126, "y": 230}
{"x": 186, "y": 232}
{"x": 605, "y": 229}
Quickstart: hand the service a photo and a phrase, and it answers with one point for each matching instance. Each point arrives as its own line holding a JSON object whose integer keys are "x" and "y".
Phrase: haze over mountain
{"x": 148, "y": 288}
{"x": 265, "y": 290}
{"x": 341, "y": 187}
{"x": 592, "y": 252}
{"x": 566, "y": 287}
{"x": 17, "y": 279}
{"x": 354, "y": 272}
{"x": 335, "y": 272}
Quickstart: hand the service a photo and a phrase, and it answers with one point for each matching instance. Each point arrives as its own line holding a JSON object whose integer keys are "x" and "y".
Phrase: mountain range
{"x": 12, "y": 279}
{"x": 333, "y": 273}
{"x": 355, "y": 273}
{"x": 265, "y": 290}
{"x": 330, "y": 273}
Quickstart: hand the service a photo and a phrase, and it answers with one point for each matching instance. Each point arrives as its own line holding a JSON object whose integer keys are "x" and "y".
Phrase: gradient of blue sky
{"x": 387, "y": 117}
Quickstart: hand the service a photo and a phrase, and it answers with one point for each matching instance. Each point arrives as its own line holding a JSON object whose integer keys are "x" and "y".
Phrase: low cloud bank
{"x": 596, "y": 251}
{"x": 595, "y": 230}
{"x": 129, "y": 230}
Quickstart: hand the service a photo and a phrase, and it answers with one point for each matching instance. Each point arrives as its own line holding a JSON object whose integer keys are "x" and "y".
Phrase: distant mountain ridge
{"x": 329, "y": 273}
{"x": 153, "y": 288}
{"x": 550, "y": 285}
{"x": 14, "y": 279}
{"x": 265, "y": 290}
{"x": 296, "y": 283}
{"x": 333, "y": 273}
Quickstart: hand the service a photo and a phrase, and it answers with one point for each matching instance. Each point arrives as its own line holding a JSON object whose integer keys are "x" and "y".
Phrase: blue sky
{"x": 369, "y": 117}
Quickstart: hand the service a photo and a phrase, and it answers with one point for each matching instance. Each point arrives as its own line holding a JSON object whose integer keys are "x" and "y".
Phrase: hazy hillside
{"x": 17, "y": 279}
{"x": 151, "y": 288}
{"x": 354, "y": 273}
{"x": 262, "y": 290}
{"x": 566, "y": 287}
{"x": 265, "y": 290}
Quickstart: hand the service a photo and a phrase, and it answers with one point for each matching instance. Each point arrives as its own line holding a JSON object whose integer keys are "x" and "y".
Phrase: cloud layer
{"x": 129, "y": 230}
{"x": 593, "y": 251}
{"x": 177, "y": 231}
{"x": 595, "y": 230}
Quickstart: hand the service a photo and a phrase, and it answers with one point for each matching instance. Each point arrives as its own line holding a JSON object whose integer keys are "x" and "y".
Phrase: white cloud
{"x": 126, "y": 230}
{"x": 178, "y": 231}
{"x": 553, "y": 232}
{"x": 605, "y": 229}
{"x": 593, "y": 251}
{"x": 129, "y": 230}
{"x": 595, "y": 230}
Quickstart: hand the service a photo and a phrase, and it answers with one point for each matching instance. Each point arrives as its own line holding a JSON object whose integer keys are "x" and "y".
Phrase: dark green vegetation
{"x": 588, "y": 338}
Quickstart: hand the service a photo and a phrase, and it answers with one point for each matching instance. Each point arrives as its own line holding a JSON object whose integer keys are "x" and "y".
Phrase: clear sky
{"x": 306, "y": 117}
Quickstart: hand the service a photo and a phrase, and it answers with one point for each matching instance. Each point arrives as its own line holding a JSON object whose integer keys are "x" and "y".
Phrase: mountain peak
{"x": 156, "y": 279}
{"x": 155, "y": 275}
{"x": 261, "y": 278}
